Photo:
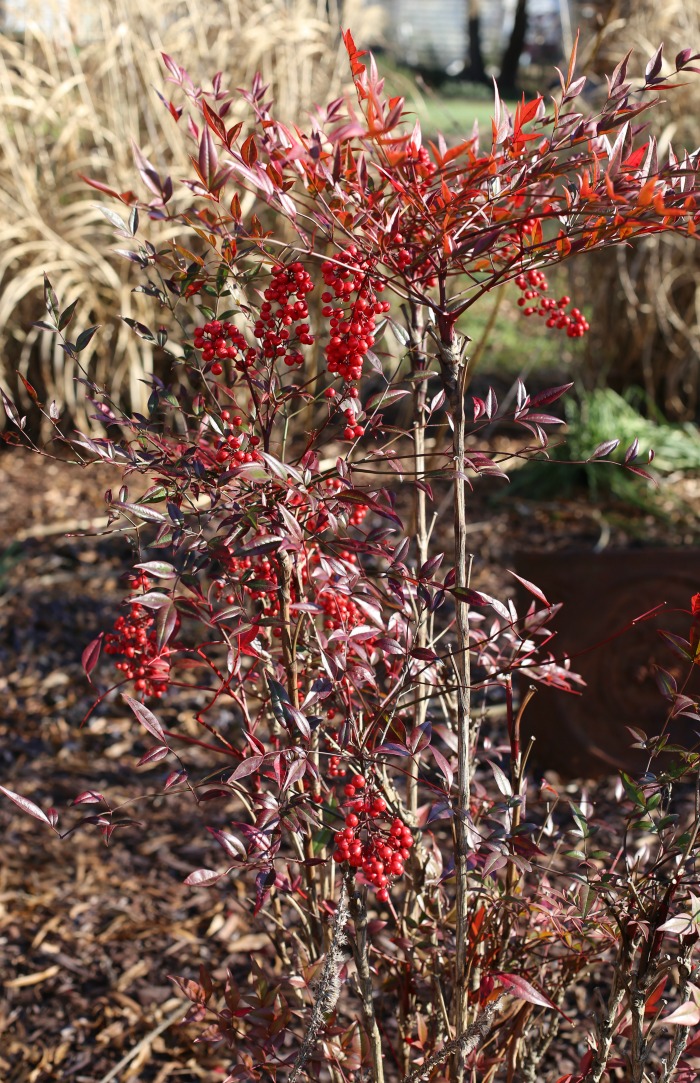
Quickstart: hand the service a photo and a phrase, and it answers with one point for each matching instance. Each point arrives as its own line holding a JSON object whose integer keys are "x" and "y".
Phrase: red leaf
{"x": 146, "y": 718}
{"x": 520, "y": 988}
{"x": 531, "y": 587}
{"x": 26, "y": 805}
{"x": 91, "y": 655}
{"x": 204, "y": 878}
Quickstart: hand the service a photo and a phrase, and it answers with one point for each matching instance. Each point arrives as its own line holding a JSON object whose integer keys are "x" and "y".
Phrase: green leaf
{"x": 85, "y": 337}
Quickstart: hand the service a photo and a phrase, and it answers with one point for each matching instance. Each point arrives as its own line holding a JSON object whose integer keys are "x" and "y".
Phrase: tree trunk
{"x": 475, "y": 70}
{"x": 508, "y": 82}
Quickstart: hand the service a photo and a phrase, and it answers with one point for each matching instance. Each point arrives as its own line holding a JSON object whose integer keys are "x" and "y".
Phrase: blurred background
{"x": 79, "y": 81}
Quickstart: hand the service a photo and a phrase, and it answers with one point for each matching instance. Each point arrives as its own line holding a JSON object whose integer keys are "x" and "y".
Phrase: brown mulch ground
{"x": 89, "y": 934}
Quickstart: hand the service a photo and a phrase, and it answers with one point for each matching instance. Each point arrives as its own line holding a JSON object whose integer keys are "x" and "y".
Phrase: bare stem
{"x": 327, "y": 988}
{"x": 468, "y": 1040}
{"x": 417, "y": 355}
{"x": 454, "y": 370}
{"x": 360, "y": 950}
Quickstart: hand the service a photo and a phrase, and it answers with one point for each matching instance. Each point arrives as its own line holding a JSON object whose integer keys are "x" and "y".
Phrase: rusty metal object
{"x": 586, "y": 735}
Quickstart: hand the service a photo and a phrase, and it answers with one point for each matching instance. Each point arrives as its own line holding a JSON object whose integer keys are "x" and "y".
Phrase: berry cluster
{"x": 533, "y": 302}
{"x": 220, "y": 342}
{"x": 319, "y": 521}
{"x": 134, "y": 637}
{"x": 236, "y": 447}
{"x": 278, "y": 327}
{"x": 351, "y": 305}
{"x": 364, "y": 844}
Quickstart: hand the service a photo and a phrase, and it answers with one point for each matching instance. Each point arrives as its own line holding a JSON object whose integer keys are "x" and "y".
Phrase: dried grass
{"x": 73, "y": 94}
{"x": 645, "y": 300}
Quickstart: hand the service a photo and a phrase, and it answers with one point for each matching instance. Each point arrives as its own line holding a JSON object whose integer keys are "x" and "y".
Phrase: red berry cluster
{"x": 363, "y": 844}
{"x": 236, "y": 447}
{"x": 278, "y": 327}
{"x": 220, "y": 342}
{"x": 351, "y": 307}
{"x": 534, "y": 285}
{"x": 356, "y": 517}
{"x": 336, "y": 768}
{"x": 135, "y": 638}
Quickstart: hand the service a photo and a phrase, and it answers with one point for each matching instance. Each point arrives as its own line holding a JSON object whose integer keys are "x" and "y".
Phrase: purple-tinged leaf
{"x": 501, "y": 779}
{"x": 166, "y": 623}
{"x": 640, "y": 472}
{"x": 544, "y": 398}
{"x": 520, "y": 988}
{"x": 174, "y": 778}
{"x": 152, "y": 599}
{"x": 544, "y": 419}
{"x": 246, "y": 767}
{"x": 148, "y": 514}
{"x": 687, "y": 1015}
{"x": 391, "y": 748}
{"x": 160, "y": 569}
{"x": 26, "y": 805}
{"x": 204, "y": 878}
{"x": 230, "y": 843}
{"x": 147, "y": 719}
{"x": 631, "y": 453}
{"x": 603, "y": 449}
{"x": 654, "y": 66}
{"x": 493, "y": 863}
{"x": 11, "y": 410}
{"x": 91, "y": 654}
{"x": 154, "y": 755}
{"x": 530, "y": 587}
{"x": 85, "y": 337}
{"x": 88, "y": 797}
{"x": 295, "y": 772}
{"x": 298, "y": 718}
{"x": 443, "y": 766}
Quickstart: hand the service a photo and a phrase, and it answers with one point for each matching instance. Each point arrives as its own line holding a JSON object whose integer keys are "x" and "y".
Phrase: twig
{"x": 454, "y": 370}
{"x": 327, "y": 988}
{"x": 358, "y": 910}
{"x": 475, "y": 1033}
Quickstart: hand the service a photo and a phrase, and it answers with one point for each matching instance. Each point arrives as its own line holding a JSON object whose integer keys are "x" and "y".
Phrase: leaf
{"x": 688, "y": 1015}
{"x": 153, "y": 599}
{"x": 154, "y": 755}
{"x": 147, "y": 719}
{"x": 26, "y": 805}
{"x": 140, "y": 329}
{"x": 520, "y": 988}
{"x": 443, "y": 765}
{"x": 246, "y": 767}
{"x": 85, "y": 337}
{"x": 149, "y": 515}
{"x": 603, "y": 449}
{"x": 91, "y": 655}
{"x": 654, "y": 66}
{"x": 158, "y": 568}
{"x": 88, "y": 797}
{"x": 501, "y": 778}
{"x": 531, "y": 588}
{"x": 204, "y": 878}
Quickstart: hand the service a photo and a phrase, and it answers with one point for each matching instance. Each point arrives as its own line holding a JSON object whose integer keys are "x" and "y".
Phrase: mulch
{"x": 89, "y": 933}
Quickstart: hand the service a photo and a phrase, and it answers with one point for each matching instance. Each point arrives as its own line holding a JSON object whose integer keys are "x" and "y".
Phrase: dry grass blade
{"x": 73, "y": 96}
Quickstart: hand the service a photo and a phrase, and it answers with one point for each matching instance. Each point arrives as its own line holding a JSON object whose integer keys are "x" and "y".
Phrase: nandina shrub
{"x": 430, "y": 913}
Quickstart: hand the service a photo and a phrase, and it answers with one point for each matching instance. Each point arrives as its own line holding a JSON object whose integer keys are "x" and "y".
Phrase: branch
{"x": 327, "y": 988}
{"x": 473, "y": 1036}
